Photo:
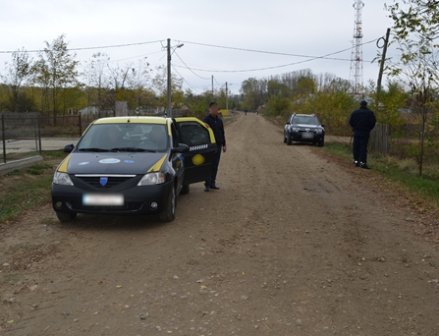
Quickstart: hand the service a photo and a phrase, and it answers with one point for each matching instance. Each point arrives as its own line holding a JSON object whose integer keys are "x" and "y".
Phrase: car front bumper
{"x": 135, "y": 200}
{"x": 307, "y": 136}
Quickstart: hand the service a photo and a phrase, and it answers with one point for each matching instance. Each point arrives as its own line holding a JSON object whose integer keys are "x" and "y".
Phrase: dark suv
{"x": 304, "y": 128}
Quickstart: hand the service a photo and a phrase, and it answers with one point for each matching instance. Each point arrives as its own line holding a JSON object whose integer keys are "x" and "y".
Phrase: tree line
{"x": 51, "y": 84}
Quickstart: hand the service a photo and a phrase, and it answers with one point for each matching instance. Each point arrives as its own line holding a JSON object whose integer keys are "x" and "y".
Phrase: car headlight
{"x": 295, "y": 129}
{"x": 152, "y": 179}
{"x": 62, "y": 179}
{"x": 319, "y": 131}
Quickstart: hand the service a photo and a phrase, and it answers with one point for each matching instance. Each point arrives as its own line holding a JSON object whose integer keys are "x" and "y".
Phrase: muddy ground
{"x": 294, "y": 243}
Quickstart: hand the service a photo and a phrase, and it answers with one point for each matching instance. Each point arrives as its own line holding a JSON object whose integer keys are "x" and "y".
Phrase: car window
{"x": 193, "y": 134}
{"x": 125, "y": 137}
{"x": 305, "y": 120}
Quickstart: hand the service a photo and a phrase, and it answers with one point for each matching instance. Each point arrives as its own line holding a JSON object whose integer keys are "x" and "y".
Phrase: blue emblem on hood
{"x": 103, "y": 180}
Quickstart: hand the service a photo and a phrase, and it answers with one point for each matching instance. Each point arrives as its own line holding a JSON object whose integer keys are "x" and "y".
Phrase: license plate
{"x": 101, "y": 200}
{"x": 307, "y": 135}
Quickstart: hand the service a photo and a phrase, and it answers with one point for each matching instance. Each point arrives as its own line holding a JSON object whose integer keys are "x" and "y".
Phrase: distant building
{"x": 89, "y": 110}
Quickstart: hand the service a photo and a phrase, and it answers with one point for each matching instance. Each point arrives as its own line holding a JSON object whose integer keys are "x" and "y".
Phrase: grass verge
{"x": 27, "y": 188}
{"x": 396, "y": 170}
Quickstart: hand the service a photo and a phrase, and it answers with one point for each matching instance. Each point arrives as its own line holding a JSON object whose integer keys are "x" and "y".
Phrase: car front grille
{"x": 104, "y": 181}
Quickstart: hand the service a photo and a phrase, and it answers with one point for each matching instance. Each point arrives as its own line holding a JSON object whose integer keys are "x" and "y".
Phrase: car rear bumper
{"x": 136, "y": 200}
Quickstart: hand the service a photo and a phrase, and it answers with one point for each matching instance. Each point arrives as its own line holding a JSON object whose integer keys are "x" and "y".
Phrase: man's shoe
{"x": 214, "y": 187}
{"x": 356, "y": 163}
{"x": 364, "y": 165}
{"x": 206, "y": 189}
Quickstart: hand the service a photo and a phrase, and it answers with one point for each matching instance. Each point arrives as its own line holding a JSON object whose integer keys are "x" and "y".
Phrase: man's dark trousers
{"x": 211, "y": 181}
{"x": 360, "y": 147}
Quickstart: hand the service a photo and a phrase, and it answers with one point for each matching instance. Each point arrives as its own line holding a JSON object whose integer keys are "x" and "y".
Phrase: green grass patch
{"x": 402, "y": 171}
{"x": 27, "y": 188}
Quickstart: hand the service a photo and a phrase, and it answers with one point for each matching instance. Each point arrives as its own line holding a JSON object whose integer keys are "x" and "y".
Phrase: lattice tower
{"x": 357, "y": 50}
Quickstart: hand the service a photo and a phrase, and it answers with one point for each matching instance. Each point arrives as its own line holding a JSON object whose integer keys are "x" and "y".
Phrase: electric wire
{"x": 188, "y": 68}
{"x": 86, "y": 48}
{"x": 311, "y": 58}
{"x": 277, "y": 53}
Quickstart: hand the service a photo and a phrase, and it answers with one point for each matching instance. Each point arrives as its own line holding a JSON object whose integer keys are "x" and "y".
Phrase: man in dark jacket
{"x": 217, "y": 126}
{"x": 362, "y": 122}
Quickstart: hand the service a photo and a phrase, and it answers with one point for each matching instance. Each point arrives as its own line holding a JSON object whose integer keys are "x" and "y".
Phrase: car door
{"x": 201, "y": 141}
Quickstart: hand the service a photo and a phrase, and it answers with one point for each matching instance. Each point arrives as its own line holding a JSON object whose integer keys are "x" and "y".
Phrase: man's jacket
{"x": 217, "y": 126}
{"x": 362, "y": 121}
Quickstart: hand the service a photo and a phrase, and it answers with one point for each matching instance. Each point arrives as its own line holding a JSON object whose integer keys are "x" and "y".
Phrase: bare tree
{"x": 55, "y": 70}
{"x": 18, "y": 73}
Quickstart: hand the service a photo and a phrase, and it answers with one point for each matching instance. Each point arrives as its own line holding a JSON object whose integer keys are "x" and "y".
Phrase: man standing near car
{"x": 362, "y": 122}
{"x": 217, "y": 126}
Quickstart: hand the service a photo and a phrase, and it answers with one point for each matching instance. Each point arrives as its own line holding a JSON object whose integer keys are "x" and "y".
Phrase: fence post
{"x": 39, "y": 132}
{"x": 80, "y": 124}
{"x": 4, "y": 138}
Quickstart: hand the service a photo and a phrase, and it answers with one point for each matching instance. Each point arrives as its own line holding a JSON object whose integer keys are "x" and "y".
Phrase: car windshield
{"x": 306, "y": 120}
{"x": 126, "y": 137}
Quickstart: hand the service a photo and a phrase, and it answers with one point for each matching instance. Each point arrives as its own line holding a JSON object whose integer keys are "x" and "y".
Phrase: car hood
{"x": 112, "y": 163}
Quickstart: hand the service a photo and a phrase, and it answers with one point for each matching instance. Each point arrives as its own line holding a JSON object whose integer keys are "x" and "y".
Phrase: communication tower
{"x": 357, "y": 50}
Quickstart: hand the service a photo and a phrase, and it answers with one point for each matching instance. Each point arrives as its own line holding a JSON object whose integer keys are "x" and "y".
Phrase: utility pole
{"x": 383, "y": 60}
{"x": 212, "y": 87}
{"x": 227, "y": 98}
{"x": 168, "y": 105}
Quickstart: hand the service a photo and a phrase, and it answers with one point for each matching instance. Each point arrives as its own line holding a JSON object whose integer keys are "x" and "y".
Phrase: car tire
{"x": 289, "y": 141}
{"x": 321, "y": 142}
{"x": 185, "y": 189}
{"x": 66, "y": 217}
{"x": 168, "y": 213}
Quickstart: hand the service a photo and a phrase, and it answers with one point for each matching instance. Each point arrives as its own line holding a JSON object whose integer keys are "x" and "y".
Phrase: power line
{"x": 311, "y": 58}
{"x": 187, "y": 67}
{"x": 277, "y": 53}
{"x": 86, "y": 48}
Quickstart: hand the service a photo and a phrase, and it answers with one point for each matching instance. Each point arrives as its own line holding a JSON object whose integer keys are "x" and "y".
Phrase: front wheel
{"x": 289, "y": 141}
{"x": 185, "y": 189}
{"x": 168, "y": 213}
{"x": 321, "y": 142}
{"x": 66, "y": 217}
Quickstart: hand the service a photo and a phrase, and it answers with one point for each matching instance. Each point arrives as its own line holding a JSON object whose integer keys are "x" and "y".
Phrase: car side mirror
{"x": 181, "y": 148}
{"x": 288, "y": 122}
{"x": 68, "y": 148}
{"x": 323, "y": 125}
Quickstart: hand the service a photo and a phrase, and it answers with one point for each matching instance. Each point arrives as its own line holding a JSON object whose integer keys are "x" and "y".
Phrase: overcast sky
{"x": 309, "y": 28}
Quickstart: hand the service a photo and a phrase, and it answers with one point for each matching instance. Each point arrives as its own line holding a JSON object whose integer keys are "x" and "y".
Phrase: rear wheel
{"x": 66, "y": 217}
{"x": 168, "y": 213}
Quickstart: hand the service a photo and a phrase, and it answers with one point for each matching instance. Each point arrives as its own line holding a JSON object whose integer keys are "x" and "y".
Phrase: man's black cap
{"x": 363, "y": 103}
{"x": 212, "y": 104}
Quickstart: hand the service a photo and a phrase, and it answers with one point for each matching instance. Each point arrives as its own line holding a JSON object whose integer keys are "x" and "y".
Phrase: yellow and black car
{"x": 132, "y": 165}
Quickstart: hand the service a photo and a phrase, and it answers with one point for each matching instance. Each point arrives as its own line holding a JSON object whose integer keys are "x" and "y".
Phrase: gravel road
{"x": 292, "y": 244}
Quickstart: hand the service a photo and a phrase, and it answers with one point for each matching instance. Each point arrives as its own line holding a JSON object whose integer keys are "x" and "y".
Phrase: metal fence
{"x": 18, "y": 127}
{"x": 26, "y": 134}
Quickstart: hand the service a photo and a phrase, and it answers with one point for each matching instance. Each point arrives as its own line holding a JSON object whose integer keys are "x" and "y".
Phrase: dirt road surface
{"x": 292, "y": 244}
